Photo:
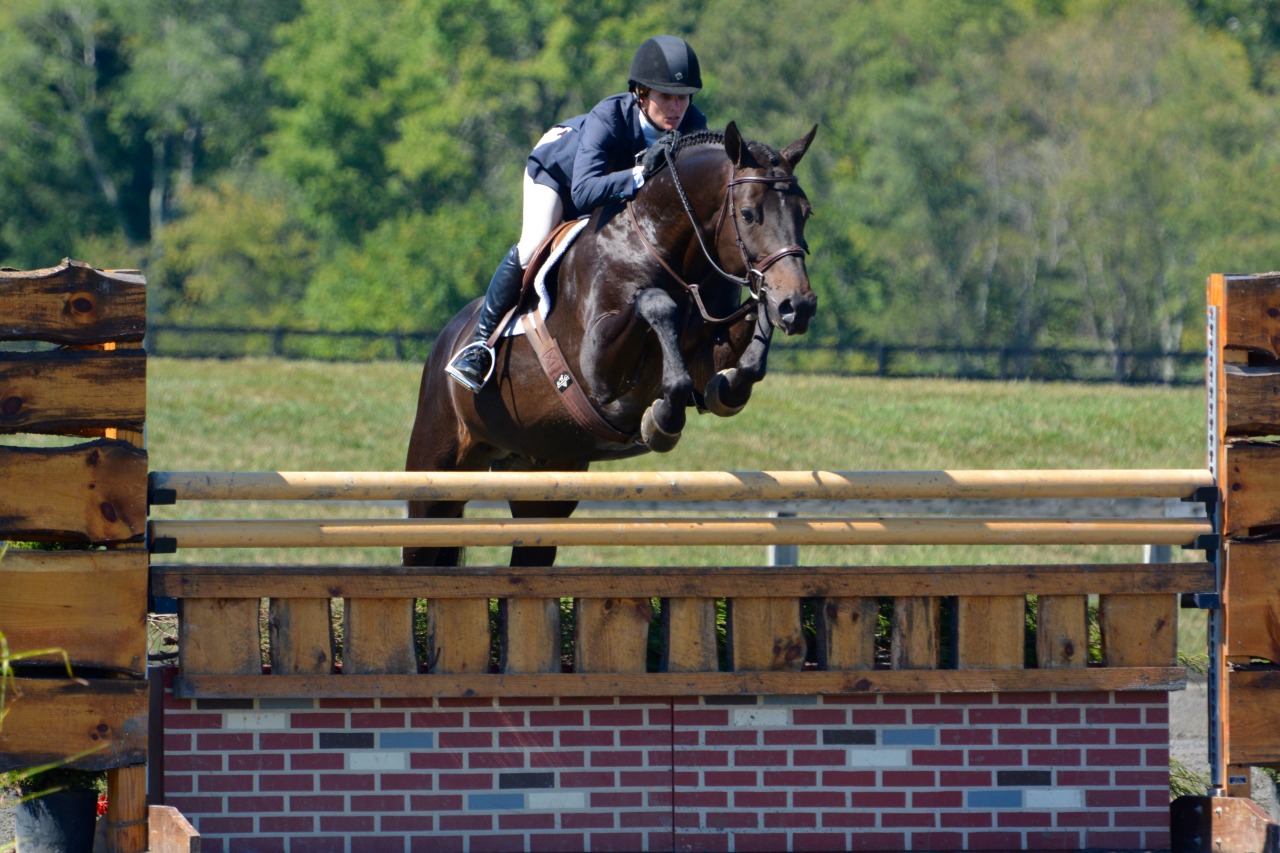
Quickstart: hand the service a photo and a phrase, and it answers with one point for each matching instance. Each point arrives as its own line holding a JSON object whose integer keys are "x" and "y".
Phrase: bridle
{"x": 754, "y": 279}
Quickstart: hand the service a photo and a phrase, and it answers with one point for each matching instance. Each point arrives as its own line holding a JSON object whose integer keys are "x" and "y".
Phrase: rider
{"x": 582, "y": 163}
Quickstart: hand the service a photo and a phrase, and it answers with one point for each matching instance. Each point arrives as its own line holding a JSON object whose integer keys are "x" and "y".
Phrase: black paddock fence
{"x": 901, "y": 361}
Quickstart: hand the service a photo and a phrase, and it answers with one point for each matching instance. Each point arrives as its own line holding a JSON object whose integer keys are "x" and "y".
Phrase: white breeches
{"x": 543, "y": 209}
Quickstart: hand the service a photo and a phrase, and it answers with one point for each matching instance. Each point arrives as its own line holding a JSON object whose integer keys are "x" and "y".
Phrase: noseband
{"x": 754, "y": 279}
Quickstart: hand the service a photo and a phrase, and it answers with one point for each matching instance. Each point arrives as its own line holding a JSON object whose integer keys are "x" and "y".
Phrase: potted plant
{"x": 57, "y": 808}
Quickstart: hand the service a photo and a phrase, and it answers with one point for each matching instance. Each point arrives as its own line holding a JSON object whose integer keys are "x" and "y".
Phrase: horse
{"x": 646, "y": 312}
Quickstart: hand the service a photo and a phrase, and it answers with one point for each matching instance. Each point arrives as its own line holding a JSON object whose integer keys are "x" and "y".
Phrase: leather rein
{"x": 754, "y": 279}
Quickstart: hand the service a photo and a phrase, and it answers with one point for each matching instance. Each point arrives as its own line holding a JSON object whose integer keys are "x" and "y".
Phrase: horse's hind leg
{"x": 531, "y": 626}
{"x": 664, "y": 420}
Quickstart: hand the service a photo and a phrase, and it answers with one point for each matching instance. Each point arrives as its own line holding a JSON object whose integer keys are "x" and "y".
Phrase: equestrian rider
{"x": 581, "y": 164}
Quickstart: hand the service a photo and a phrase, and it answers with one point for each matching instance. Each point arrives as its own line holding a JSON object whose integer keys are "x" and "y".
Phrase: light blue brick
{"x": 407, "y": 740}
{"x": 494, "y": 802}
{"x": 909, "y": 737}
{"x": 995, "y": 799}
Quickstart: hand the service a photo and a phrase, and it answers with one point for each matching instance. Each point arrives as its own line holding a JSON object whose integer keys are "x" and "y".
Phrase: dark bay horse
{"x": 646, "y": 311}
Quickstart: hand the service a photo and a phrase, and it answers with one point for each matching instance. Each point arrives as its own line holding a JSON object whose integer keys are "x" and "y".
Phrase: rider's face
{"x": 663, "y": 110}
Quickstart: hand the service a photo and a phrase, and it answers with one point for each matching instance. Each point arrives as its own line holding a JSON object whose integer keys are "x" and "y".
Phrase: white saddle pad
{"x": 543, "y": 304}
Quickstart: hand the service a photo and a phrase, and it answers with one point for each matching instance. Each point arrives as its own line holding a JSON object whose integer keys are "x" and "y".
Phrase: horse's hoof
{"x": 653, "y": 436}
{"x": 714, "y": 400}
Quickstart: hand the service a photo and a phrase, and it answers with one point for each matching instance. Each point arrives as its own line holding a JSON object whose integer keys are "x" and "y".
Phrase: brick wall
{"x": 941, "y": 772}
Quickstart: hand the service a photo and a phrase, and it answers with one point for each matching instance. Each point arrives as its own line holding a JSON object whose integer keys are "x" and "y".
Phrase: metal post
{"x": 783, "y": 555}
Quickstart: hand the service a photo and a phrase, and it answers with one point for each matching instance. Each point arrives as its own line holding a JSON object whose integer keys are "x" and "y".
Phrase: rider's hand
{"x": 653, "y": 158}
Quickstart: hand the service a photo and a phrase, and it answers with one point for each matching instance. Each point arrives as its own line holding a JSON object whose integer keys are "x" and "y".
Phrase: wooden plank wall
{"x": 1248, "y": 400}
{"x": 84, "y": 378}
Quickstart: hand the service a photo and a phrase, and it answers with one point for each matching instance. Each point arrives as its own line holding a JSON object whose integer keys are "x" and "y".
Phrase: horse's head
{"x": 767, "y": 211}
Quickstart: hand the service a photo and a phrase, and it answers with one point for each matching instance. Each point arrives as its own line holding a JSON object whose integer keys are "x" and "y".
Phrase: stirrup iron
{"x": 466, "y": 381}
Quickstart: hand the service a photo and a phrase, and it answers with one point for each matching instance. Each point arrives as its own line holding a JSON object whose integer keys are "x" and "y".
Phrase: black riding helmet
{"x": 667, "y": 64}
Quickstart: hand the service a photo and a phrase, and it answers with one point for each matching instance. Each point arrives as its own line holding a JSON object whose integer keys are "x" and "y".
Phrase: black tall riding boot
{"x": 472, "y": 365}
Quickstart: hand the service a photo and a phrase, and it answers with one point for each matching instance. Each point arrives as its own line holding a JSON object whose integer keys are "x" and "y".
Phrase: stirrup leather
{"x": 466, "y": 381}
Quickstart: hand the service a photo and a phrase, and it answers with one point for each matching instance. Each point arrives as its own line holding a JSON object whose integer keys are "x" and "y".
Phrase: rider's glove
{"x": 653, "y": 158}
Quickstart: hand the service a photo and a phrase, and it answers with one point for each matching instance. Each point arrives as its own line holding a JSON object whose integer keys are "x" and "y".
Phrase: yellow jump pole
{"x": 171, "y": 486}
{"x": 674, "y": 531}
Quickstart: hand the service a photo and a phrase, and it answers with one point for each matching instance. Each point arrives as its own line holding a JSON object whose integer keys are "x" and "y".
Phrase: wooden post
{"x": 1062, "y": 631}
{"x": 992, "y": 631}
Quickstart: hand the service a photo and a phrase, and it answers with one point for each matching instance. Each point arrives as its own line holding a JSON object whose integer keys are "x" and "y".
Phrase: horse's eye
{"x": 749, "y": 215}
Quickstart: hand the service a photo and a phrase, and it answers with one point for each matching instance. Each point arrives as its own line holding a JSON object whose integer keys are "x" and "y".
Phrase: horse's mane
{"x": 763, "y": 152}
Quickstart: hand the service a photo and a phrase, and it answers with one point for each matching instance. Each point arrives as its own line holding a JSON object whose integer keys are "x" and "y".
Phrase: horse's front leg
{"x": 729, "y": 390}
{"x": 664, "y": 420}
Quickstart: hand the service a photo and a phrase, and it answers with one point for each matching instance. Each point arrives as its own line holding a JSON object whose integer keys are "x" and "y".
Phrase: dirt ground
{"x": 1188, "y": 724}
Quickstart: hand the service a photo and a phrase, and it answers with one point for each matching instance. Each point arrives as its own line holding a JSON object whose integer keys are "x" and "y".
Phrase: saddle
{"x": 544, "y": 345}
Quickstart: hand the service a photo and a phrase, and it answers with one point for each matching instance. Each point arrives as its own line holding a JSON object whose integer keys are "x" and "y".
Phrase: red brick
{"x": 660, "y": 757}
{"x": 1014, "y": 697}
{"x": 995, "y": 840}
{"x": 558, "y": 758}
{"x": 436, "y": 760}
{"x": 560, "y": 842}
{"x": 1142, "y": 697}
{"x": 995, "y": 758}
{"x": 759, "y": 842}
{"x": 878, "y": 716}
{"x": 586, "y": 820}
{"x": 849, "y": 778}
{"x": 937, "y": 841}
{"x": 377, "y": 843}
{"x": 1021, "y": 736}
{"x": 688, "y": 737}
{"x": 331, "y": 760}
{"x": 285, "y": 824}
{"x": 586, "y": 737}
{"x": 816, "y": 842}
{"x": 438, "y": 843}
{"x": 347, "y": 703}
{"x": 995, "y": 716}
{"x": 965, "y": 778}
{"x": 344, "y": 824}
{"x": 702, "y": 758}
{"x": 466, "y": 823}
{"x": 317, "y": 803}
{"x": 463, "y": 702}
{"x": 819, "y": 799}
{"x": 1023, "y": 820}
{"x": 1053, "y": 716}
{"x": 1157, "y": 716}
{"x": 617, "y": 800}
{"x": 615, "y": 758}
{"x": 1142, "y": 735}
{"x": 435, "y": 802}
{"x": 892, "y": 820}
{"x": 731, "y": 737}
{"x": 1084, "y": 778}
{"x": 179, "y": 783}
{"x": 406, "y": 781}
{"x": 347, "y": 781}
{"x": 230, "y": 826}
{"x": 1113, "y": 840}
{"x": 790, "y": 820}
{"x": 405, "y": 704}
{"x": 965, "y": 737}
{"x": 789, "y": 779}
{"x": 241, "y": 805}
{"x": 1053, "y": 758}
{"x": 701, "y": 800}
{"x": 729, "y": 820}
{"x": 497, "y": 844}
{"x": 260, "y": 761}
{"x": 937, "y": 717}
{"x": 286, "y": 741}
{"x": 465, "y": 782}
{"x": 819, "y": 717}
{"x": 1113, "y": 716}
{"x": 1113, "y": 757}
{"x": 618, "y": 717}
{"x": 700, "y": 717}
{"x": 1157, "y": 839}
{"x": 937, "y": 799}
{"x": 760, "y": 799}
{"x": 966, "y": 699}
{"x": 1097, "y": 697}
{"x": 438, "y": 720}
{"x": 525, "y": 739}
{"x": 287, "y": 782}
{"x": 1084, "y": 736}
{"x": 224, "y": 741}
{"x": 689, "y": 842}
{"x": 878, "y": 841}
{"x": 587, "y": 779}
{"x": 658, "y": 798}
{"x": 557, "y": 718}
{"x": 644, "y": 819}
{"x": 1140, "y": 778}
{"x": 193, "y": 763}
{"x": 466, "y": 740}
{"x": 534, "y": 820}
{"x": 316, "y": 720}
{"x": 177, "y": 741}
{"x": 909, "y": 778}
{"x": 732, "y": 778}
{"x": 877, "y": 799}
{"x": 497, "y": 720}
{"x": 1140, "y": 818}
{"x": 494, "y": 760}
{"x": 688, "y": 778}
{"x": 377, "y": 803}
{"x": 850, "y": 819}
{"x": 760, "y": 758}
{"x": 1100, "y": 798}
{"x": 819, "y": 757}
{"x": 1157, "y": 757}
{"x": 1055, "y": 840}
{"x": 937, "y": 757}
{"x": 266, "y": 844}
{"x": 407, "y": 823}
{"x": 183, "y": 722}
{"x": 1084, "y": 819}
{"x": 644, "y": 737}
{"x": 621, "y": 842}
{"x": 966, "y": 820}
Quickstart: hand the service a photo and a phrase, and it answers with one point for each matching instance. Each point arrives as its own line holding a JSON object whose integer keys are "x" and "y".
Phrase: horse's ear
{"x": 793, "y": 152}
{"x": 737, "y": 149}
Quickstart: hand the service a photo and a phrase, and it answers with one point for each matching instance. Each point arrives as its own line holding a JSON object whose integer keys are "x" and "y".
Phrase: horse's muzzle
{"x": 792, "y": 313}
